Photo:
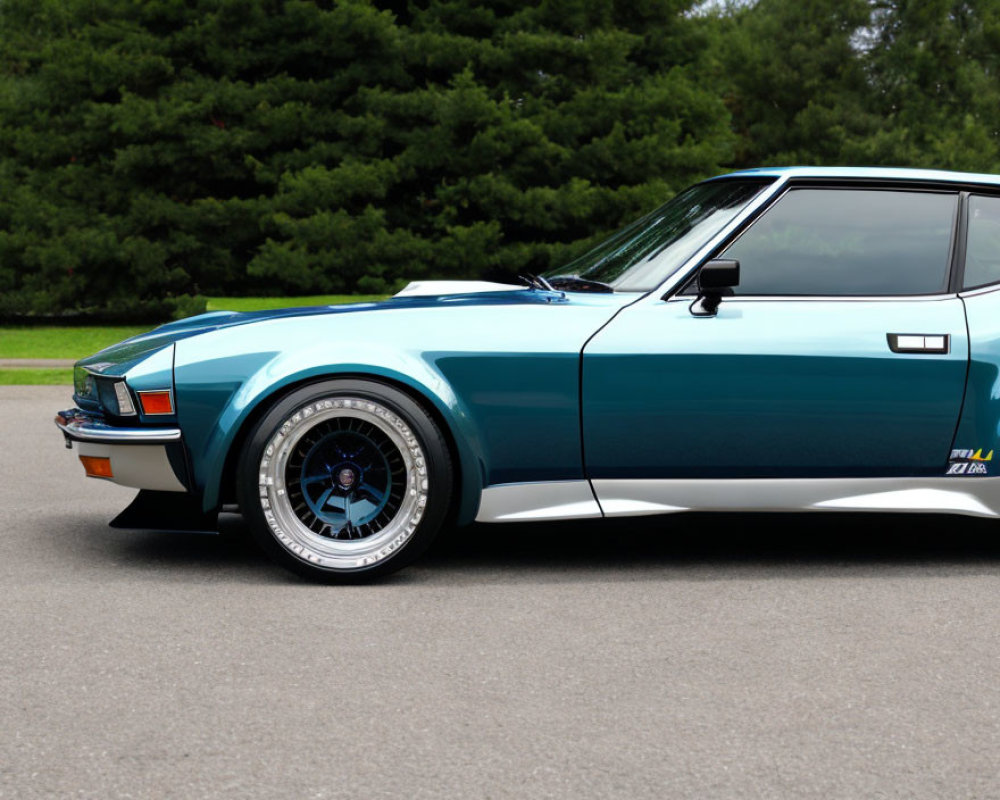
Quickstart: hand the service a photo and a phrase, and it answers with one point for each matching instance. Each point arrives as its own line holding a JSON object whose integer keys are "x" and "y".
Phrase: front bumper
{"x": 144, "y": 458}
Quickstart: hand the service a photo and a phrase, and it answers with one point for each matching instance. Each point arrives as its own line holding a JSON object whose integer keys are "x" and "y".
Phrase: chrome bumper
{"x": 138, "y": 456}
{"x": 78, "y": 426}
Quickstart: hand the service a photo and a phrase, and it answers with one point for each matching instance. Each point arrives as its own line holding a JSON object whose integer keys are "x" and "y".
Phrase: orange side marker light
{"x": 96, "y": 466}
{"x": 156, "y": 402}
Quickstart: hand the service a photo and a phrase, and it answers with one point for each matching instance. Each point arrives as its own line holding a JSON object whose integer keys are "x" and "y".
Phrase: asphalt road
{"x": 824, "y": 657}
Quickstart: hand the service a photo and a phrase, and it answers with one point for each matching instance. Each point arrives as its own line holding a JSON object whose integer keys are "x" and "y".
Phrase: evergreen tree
{"x": 882, "y": 82}
{"x": 799, "y": 91}
{"x": 934, "y": 67}
{"x": 150, "y": 151}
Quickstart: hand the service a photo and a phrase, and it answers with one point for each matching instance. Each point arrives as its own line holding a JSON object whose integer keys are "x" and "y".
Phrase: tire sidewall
{"x": 439, "y": 474}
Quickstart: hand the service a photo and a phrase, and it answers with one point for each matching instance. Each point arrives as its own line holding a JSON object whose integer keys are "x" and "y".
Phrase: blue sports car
{"x": 776, "y": 339}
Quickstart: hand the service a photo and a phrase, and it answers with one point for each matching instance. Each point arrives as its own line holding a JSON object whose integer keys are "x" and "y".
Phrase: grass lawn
{"x": 37, "y": 377}
{"x": 55, "y": 342}
{"x": 77, "y": 342}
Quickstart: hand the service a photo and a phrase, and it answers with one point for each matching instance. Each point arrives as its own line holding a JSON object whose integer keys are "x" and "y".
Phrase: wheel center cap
{"x": 346, "y": 478}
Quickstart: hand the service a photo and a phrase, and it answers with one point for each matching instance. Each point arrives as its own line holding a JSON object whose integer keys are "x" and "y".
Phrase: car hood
{"x": 119, "y": 358}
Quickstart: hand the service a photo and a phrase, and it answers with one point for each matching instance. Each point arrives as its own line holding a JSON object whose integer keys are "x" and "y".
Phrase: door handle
{"x": 919, "y": 342}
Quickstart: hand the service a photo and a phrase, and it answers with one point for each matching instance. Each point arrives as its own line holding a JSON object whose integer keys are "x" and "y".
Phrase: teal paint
{"x": 781, "y": 387}
{"x": 772, "y": 388}
{"x": 980, "y": 424}
{"x": 501, "y": 369}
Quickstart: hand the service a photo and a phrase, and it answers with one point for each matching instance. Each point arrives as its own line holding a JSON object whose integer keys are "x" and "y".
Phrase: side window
{"x": 982, "y": 251}
{"x": 848, "y": 242}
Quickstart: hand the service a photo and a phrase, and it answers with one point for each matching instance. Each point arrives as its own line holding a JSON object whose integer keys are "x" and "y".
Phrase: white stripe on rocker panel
{"x": 521, "y": 502}
{"x": 978, "y": 497}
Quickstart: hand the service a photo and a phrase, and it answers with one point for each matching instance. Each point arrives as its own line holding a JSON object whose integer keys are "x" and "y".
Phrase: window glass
{"x": 982, "y": 252}
{"x": 644, "y": 254}
{"x": 848, "y": 242}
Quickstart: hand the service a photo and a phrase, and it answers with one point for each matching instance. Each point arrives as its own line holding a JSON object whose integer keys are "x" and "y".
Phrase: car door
{"x": 976, "y": 449}
{"x": 842, "y": 352}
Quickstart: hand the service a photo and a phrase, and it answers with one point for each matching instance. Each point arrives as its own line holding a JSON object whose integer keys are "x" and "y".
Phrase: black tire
{"x": 345, "y": 480}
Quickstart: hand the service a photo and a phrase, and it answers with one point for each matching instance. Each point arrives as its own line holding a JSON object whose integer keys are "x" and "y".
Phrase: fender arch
{"x": 214, "y": 442}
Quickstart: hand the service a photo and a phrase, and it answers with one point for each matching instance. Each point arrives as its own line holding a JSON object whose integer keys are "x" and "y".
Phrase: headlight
{"x": 113, "y": 394}
{"x": 125, "y": 407}
{"x": 83, "y": 383}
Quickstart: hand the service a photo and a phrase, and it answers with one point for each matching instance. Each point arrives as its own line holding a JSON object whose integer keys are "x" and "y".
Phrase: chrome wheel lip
{"x": 292, "y": 534}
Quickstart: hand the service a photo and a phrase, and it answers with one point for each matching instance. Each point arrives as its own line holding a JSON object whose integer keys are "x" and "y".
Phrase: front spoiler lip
{"x": 79, "y": 426}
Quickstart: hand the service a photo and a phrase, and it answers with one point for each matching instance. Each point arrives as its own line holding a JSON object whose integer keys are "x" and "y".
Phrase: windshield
{"x": 642, "y": 255}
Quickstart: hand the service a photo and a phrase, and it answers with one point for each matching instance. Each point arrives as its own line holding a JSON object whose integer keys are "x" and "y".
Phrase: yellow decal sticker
{"x": 969, "y": 462}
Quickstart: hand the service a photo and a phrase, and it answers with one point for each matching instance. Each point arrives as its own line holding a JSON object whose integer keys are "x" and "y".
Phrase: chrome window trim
{"x": 978, "y": 290}
{"x": 816, "y": 298}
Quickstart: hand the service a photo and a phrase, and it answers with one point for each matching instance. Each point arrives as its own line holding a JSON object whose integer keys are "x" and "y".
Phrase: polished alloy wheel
{"x": 345, "y": 479}
{"x": 343, "y": 482}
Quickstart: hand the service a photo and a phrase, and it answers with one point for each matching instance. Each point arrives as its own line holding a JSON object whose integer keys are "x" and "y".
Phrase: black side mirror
{"x": 715, "y": 280}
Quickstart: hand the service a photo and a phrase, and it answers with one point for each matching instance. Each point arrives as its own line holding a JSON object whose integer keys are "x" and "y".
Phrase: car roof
{"x": 869, "y": 173}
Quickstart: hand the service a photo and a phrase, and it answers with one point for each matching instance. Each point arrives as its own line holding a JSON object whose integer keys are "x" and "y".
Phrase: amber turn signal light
{"x": 96, "y": 466}
{"x": 156, "y": 402}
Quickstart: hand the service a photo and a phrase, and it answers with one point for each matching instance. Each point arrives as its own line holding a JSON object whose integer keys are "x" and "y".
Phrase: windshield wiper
{"x": 575, "y": 283}
{"x": 536, "y": 282}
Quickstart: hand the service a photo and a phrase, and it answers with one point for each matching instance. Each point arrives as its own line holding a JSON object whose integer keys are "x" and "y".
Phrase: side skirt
{"x": 522, "y": 502}
{"x": 977, "y": 497}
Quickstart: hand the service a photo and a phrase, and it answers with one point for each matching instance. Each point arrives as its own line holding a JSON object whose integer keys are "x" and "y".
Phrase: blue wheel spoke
{"x": 325, "y": 465}
{"x": 361, "y": 509}
{"x": 375, "y": 495}
{"x": 323, "y": 498}
{"x": 336, "y": 503}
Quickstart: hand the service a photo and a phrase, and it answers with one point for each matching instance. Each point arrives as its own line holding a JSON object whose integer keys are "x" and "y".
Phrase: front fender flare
{"x": 215, "y": 402}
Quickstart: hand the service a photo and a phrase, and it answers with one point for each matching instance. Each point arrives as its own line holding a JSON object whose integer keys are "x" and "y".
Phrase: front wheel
{"x": 344, "y": 480}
